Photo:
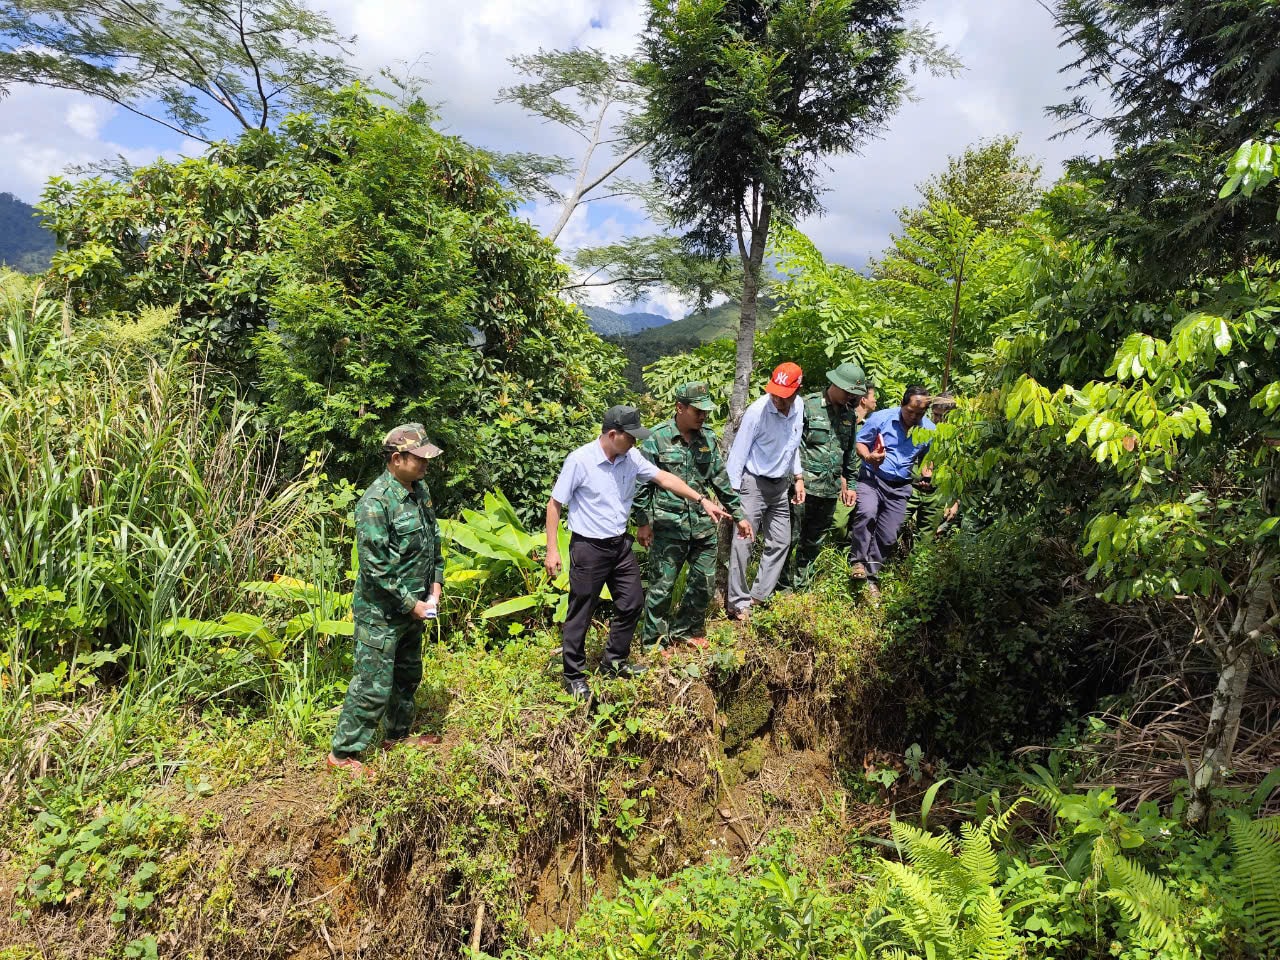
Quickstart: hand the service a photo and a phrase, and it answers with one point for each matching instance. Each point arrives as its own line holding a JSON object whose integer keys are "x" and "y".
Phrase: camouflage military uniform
{"x": 826, "y": 455}
{"x": 398, "y": 546}
{"x": 682, "y": 534}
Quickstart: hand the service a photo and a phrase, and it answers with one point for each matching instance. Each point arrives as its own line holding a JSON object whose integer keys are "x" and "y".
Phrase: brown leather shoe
{"x": 421, "y": 740}
{"x": 351, "y": 765}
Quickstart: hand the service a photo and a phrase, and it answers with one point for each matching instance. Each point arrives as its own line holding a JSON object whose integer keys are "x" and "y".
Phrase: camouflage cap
{"x": 850, "y": 378}
{"x": 943, "y": 401}
{"x": 695, "y": 395}
{"x": 410, "y": 438}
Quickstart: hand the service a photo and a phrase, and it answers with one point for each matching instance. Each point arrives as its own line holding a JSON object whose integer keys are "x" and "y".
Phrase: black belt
{"x": 887, "y": 480}
{"x": 601, "y": 541}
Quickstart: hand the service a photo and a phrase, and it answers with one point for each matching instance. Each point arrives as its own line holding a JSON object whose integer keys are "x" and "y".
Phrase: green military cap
{"x": 410, "y": 438}
{"x": 696, "y": 395}
{"x": 849, "y": 377}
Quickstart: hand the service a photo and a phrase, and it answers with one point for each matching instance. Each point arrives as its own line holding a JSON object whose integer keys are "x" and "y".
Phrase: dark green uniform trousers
{"x": 808, "y": 532}
{"x": 388, "y": 669}
{"x": 666, "y": 557}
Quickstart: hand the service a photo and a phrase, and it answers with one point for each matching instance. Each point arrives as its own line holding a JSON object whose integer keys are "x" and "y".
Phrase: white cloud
{"x": 86, "y": 117}
{"x": 47, "y": 131}
{"x": 1009, "y": 48}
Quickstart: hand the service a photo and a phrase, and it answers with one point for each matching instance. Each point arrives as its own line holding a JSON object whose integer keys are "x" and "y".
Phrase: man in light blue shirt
{"x": 598, "y": 483}
{"x": 763, "y": 461}
{"x": 889, "y": 457}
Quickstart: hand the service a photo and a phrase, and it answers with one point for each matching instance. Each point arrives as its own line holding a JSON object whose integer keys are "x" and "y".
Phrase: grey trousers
{"x": 877, "y": 519}
{"x": 767, "y": 505}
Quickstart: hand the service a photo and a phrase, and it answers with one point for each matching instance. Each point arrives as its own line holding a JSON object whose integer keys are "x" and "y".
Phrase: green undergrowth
{"x": 526, "y": 777}
{"x": 987, "y": 637}
{"x": 1091, "y": 882}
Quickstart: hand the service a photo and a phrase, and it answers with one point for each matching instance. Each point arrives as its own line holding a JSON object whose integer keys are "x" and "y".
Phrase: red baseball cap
{"x": 785, "y": 380}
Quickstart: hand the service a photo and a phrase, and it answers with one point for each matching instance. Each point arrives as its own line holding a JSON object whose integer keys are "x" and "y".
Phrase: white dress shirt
{"x": 598, "y": 491}
{"x": 767, "y": 443}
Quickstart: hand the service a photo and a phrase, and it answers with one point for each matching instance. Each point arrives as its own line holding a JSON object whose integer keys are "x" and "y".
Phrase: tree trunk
{"x": 752, "y": 263}
{"x": 752, "y": 260}
{"x": 955, "y": 320}
{"x": 1235, "y": 658}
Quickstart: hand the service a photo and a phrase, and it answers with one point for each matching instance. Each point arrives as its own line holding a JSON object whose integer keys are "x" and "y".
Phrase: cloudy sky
{"x": 1008, "y": 47}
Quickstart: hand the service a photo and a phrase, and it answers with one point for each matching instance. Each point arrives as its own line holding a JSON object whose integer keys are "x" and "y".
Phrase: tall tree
{"x": 596, "y": 97}
{"x": 991, "y": 183}
{"x": 593, "y": 96}
{"x": 177, "y": 62}
{"x": 1183, "y": 84}
{"x": 955, "y": 236}
{"x": 744, "y": 98}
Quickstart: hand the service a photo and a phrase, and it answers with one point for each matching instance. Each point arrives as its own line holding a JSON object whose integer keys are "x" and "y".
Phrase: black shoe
{"x": 578, "y": 689}
{"x": 624, "y": 670}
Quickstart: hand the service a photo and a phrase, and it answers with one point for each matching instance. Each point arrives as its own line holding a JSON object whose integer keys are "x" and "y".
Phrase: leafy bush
{"x": 115, "y": 854}
{"x": 988, "y": 641}
{"x": 771, "y": 909}
{"x": 976, "y": 894}
{"x": 353, "y": 273}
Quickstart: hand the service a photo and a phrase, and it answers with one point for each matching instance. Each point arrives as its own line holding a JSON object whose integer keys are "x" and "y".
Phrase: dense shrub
{"x": 353, "y": 273}
{"x": 989, "y": 640}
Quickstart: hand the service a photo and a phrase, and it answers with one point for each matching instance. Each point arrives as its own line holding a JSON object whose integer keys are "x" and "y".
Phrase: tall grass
{"x": 133, "y": 487}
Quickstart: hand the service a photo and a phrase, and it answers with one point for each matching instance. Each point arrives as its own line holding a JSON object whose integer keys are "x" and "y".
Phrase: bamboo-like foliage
{"x": 131, "y": 489}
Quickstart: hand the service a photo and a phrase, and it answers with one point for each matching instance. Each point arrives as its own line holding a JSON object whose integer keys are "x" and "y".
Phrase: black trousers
{"x": 592, "y": 565}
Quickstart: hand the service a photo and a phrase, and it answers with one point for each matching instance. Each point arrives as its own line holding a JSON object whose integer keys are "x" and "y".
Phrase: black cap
{"x": 626, "y": 419}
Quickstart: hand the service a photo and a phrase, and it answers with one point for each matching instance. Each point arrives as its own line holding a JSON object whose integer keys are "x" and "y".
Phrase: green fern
{"x": 1256, "y": 874}
{"x": 990, "y": 937}
{"x": 1144, "y": 899}
{"x": 942, "y": 903}
{"x": 977, "y": 857}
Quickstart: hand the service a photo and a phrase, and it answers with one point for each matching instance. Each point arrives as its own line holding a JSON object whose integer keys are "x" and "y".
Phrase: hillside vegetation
{"x": 1051, "y": 736}
{"x": 24, "y": 244}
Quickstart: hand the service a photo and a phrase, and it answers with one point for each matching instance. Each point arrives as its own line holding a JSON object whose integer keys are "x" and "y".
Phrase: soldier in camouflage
{"x": 830, "y": 423}
{"x": 676, "y": 533}
{"x": 397, "y": 590}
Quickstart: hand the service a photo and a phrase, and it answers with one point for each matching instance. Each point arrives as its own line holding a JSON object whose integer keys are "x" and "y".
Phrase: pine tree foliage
{"x": 1183, "y": 84}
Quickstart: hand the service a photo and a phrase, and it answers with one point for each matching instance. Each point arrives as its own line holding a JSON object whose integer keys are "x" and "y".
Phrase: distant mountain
{"x": 683, "y": 335}
{"x": 24, "y": 244}
{"x": 704, "y": 326}
{"x": 611, "y": 323}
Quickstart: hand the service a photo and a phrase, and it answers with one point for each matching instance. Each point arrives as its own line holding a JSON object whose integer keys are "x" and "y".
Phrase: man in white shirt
{"x": 764, "y": 459}
{"x": 598, "y": 483}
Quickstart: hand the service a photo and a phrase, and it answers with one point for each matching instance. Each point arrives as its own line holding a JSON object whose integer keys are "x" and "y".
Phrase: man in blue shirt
{"x": 889, "y": 456}
{"x": 598, "y": 483}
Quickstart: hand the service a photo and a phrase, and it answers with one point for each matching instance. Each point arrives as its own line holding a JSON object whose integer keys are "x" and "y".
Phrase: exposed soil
{"x": 270, "y": 871}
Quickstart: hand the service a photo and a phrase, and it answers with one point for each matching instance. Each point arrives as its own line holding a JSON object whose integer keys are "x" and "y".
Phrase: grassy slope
{"x": 704, "y": 326}
{"x": 226, "y": 836}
